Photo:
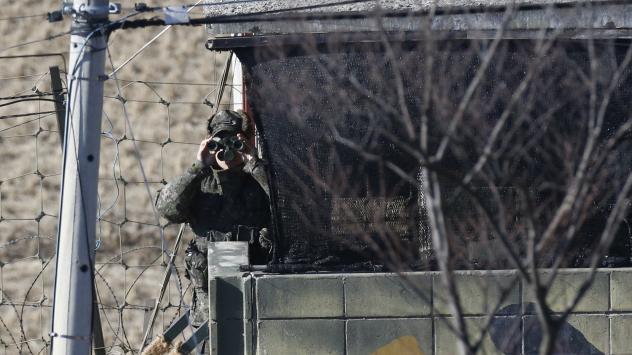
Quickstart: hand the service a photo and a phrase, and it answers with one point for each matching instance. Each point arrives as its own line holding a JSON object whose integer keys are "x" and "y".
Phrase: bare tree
{"x": 425, "y": 152}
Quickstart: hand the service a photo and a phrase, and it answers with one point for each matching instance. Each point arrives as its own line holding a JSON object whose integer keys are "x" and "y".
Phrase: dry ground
{"x": 177, "y": 69}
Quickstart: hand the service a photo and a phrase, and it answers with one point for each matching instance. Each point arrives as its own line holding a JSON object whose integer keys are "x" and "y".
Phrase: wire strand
{"x": 141, "y": 49}
{"x": 22, "y": 17}
{"x": 48, "y": 38}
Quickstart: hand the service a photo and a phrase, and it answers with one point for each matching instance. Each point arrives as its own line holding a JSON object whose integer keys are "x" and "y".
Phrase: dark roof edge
{"x": 600, "y": 19}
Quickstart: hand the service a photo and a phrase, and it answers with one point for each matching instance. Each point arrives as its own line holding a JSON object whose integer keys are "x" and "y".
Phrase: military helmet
{"x": 227, "y": 121}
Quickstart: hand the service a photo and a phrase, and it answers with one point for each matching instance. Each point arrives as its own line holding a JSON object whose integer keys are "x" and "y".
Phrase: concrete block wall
{"x": 385, "y": 313}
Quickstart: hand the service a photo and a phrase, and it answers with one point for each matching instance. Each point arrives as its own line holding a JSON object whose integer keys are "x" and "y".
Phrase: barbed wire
{"x": 22, "y": 249}
{"x": 47, "y": 38}
{"x": 22, "y": 17}
{"x": 25, "y": 277}
{"x": 143, "y": 47}
{"x": 130, "y": 252}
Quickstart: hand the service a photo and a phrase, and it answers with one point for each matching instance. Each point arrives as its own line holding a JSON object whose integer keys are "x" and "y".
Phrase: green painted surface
{"x": 306, "y": 296}
{"x": 301, "y": 336}
{"x": 232, "y": 298}
{"x": 480, "y": 292}
{"x": 595, "y": 329}
{"x": 566, "y": 286}
{"x": 363, "y": 313}
{"x": 388, "y": 295}
{"x": 446, "y": 342}
{"x": 366, "y": 336}
{"x": 234, "y": 337}
{"x": 621, "y": 291}
{"x": 621, "y": 334}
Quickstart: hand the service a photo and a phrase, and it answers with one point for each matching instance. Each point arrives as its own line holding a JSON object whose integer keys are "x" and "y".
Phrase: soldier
{"x": 223, "y": 196}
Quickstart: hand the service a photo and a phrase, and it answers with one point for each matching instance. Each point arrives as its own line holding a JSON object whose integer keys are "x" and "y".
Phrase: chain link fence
{"x": 168, "y": 120}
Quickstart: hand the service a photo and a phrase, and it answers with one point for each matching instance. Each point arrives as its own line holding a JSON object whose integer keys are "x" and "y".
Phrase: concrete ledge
{"x": 301, "y": 336}
{"x": 299, "y": 296}
{"x": 611, "y": 19}
{"x": 381, "y": 313}
{"x": 388, "y": 295}
{"x": 230, "y": 7}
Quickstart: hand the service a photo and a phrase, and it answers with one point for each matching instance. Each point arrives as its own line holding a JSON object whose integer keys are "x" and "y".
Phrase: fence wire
{"x": 167, "y": 120}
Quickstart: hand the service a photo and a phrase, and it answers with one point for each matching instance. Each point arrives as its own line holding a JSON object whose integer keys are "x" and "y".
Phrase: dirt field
{"x": 164, "y": 89}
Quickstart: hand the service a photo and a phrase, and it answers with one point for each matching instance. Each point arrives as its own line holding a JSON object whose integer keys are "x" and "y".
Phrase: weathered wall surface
{"x": 231, "y": 7}
{"x": 386, "y": 313}
{"x": 529, "y": 16}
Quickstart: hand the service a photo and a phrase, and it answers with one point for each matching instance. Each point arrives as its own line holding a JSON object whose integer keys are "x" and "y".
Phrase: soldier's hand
{"x": 248, "y": 151}
{"x": 204, "y": 154}
{"x": 264, "y": 239}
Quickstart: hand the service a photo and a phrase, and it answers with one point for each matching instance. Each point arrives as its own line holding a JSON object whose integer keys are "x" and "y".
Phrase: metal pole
{"x": 73, "y": 303}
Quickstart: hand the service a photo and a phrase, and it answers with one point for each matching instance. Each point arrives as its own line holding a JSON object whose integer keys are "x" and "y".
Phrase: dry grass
{"x": 30, "y": 157}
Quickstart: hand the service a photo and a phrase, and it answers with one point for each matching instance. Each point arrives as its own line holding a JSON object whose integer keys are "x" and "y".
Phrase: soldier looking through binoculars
{"x": 223, "y": 196}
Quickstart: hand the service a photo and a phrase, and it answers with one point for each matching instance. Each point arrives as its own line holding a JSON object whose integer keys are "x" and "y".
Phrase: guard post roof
{"x": 252, "y": 23}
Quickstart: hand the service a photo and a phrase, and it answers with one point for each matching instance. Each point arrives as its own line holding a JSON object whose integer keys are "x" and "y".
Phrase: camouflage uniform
{"x": 229, "y": 205}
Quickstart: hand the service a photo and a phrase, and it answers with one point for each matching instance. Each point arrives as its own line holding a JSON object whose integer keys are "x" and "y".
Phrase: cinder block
{"x": 301, "y": 336}
{"x": 595, "y": 329}
{"x": 249, "y": 334}
{"x": 366, "y": 336}
{"x": 566, "y": 286}
{"x": 621, "y": 290}
{"x": 212, "y": 295}
{"x": 621, "y": 334}
{"x": 299, "y": 296}
{"x": 480, "y": 292}
{"x": 503, "y": 337}
{"x": 230, "y": 297}
{"x": 581, "y": 334}
{"x": 388, "y": 295}
{"x": 212, "y": 335}
{"x": 234, "y": 337}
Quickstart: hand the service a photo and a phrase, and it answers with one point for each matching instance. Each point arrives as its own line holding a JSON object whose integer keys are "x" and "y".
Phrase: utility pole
{"x": 74, "y": 295}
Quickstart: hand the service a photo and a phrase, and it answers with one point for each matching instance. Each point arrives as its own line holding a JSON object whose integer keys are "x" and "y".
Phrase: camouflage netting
{"x": 339, "y": 207}
{"x": 340, "y": 127}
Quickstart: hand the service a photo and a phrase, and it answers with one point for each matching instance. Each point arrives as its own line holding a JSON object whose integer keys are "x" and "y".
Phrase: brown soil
{"x": 178, "y": 69}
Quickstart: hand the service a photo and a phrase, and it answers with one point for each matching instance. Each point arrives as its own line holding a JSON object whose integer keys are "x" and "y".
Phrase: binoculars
{"x": 227, "y": 147}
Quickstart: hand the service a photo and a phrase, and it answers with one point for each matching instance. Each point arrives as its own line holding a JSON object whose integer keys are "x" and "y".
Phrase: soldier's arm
{"x": 175, "y": 200}
{"x": 256, "y": 168}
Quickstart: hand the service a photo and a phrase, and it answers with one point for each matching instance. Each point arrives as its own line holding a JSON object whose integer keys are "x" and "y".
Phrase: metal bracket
{"x": 114, "y": 7}
{"x": 94, "y": 12}
{"x": 58, "y": 15}
{"x": 86, "y": 11}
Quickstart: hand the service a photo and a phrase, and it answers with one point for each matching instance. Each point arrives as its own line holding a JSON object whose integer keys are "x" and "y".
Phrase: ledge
{"x": 463, "y": 19}
{"x": 347, "y": 313}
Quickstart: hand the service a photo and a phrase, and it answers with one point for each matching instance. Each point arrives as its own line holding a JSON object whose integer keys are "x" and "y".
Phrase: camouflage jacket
{"x": 219, "y": 205}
